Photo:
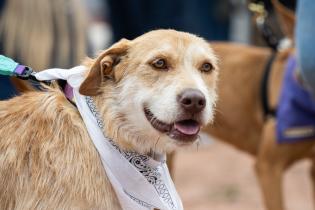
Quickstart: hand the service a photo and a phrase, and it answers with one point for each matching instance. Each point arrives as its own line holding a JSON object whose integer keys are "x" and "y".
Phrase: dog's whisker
{"x": 153, "y": 120}
{"x": 198, "y": 142}
{"x": 221, "y": 115}
{"x": 157, "y": 141}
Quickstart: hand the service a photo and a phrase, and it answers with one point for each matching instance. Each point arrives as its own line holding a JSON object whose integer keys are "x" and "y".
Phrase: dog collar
{"x": 139, "y": 181}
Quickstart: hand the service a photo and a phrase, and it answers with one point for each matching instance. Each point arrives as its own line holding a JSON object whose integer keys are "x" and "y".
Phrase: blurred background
{"x": 44, "y": 33}
{"x": 60, "y": 33}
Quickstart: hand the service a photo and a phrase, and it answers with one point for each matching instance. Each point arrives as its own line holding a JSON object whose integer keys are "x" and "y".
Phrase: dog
{"x": 239, "y": 111}
{"x": 154, "y": 93}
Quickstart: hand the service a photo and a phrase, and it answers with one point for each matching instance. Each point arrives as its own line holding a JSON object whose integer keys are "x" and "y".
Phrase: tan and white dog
{"x": 154, "y": 93}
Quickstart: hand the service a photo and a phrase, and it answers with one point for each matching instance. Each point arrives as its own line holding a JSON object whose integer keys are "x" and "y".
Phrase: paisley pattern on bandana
{"x": 142, "y": 203}
{"x": 140, "y": 162}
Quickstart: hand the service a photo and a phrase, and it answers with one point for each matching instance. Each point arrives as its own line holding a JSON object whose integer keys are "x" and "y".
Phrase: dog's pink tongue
{"x": 187, "y": 127}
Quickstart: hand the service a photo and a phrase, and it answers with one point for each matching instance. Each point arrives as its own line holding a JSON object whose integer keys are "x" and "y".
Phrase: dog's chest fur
{"x": 47, "y": 158}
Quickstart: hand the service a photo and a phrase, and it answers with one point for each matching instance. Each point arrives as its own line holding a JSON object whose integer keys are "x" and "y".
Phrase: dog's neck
{"x": 116, "y": 128}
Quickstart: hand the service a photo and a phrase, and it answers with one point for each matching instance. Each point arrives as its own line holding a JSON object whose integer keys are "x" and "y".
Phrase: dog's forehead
{"x": 170, "y": 41}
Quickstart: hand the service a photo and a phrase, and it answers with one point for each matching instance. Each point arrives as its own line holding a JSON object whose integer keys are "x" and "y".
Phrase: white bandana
{"x": 140, "y": 182}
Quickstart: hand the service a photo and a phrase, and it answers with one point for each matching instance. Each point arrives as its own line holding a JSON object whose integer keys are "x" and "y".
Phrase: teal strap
{"x": 7, "y": 66}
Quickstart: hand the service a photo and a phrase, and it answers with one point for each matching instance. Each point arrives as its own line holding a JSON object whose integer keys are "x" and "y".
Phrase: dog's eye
{"x": 206, "y": 67}
{"x": 159, "y": 63}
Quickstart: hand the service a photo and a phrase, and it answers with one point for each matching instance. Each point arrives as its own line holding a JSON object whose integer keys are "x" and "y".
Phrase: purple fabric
{"x": 68, "y": 91}
{"x": 296, "y": 109}
{"x": 19, "y": 69}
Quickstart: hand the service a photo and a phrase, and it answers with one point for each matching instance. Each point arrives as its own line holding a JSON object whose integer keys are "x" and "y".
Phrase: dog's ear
{"x": 102, "y": 68}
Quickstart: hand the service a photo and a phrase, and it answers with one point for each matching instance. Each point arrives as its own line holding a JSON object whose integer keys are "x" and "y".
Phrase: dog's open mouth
{"x": 183, "y": 130}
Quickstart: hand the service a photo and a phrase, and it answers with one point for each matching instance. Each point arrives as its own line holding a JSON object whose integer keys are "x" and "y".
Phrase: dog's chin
{"x": 183, "y": 131}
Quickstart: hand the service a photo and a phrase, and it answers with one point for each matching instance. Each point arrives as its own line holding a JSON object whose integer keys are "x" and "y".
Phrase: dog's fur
{"x": 47, "y": 158}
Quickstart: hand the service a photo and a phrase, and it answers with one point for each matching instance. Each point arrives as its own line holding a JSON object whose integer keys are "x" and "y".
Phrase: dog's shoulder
{"x": 44, "y": 145}
{"x": 33, "y": 118}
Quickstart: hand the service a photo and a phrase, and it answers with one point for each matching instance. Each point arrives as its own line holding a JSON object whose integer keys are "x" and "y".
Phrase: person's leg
{"x": 305, "y": 40}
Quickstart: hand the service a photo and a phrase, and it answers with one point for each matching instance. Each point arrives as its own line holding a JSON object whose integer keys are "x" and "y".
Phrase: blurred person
{"x": 240, "y": 21}
{"x": 305, "y": 30}
{"x": 41, "y": 34}
{"x": 99, "y": 30}
{"x": 296, "y": 110}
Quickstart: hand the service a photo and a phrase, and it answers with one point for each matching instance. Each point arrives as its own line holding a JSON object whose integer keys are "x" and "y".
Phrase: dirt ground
{"x": 219, "y": 177}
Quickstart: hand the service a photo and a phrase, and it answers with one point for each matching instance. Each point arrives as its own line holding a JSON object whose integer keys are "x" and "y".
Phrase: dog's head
{"x": 156, "y": 91}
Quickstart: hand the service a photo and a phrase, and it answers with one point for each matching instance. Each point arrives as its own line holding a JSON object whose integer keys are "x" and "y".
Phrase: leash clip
{"x": 26, "y": 74}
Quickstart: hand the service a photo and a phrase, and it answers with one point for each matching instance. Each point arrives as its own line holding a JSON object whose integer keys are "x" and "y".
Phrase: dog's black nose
{"x": 192, "y": 100}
